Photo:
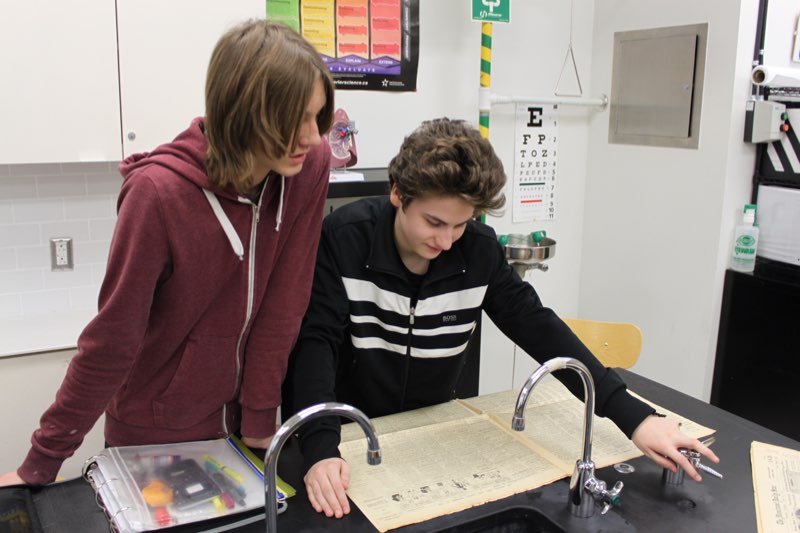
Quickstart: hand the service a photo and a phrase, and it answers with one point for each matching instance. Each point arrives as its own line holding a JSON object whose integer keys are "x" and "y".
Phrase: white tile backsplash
{"x": 35, "y": 169}
{"x": 33, "y": 257}
{"x": 19, "y": 234}
{"x": 60, "y": 186}
{"x": 16, "y": 187}
{"x": 89, "y": 207}
{"x": 8, "y": 259}
{"x": 80, "y": 276}
{"x": 92, "y": 252}
{"x": 6, "y": 211}
{"x": 10, "y": 306}
{"x": 38, "y": 210}
{"x": 43, "y": 302}
{"x": 21, "y": 281}
{"x": 101, "y": 229}
{"x": 41, "y": 201}
{"x": 84, "y": 298}
{"x": 108, "y": 183}
{"x": 77, "y": 230}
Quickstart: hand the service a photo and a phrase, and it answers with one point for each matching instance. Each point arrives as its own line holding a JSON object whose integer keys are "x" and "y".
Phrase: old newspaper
{"x": 776, "y": 480}
{"x": 446, "y": 458}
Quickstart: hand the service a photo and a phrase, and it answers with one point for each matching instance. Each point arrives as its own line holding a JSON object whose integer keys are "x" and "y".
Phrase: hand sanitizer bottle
{"x": 745, "y": 241}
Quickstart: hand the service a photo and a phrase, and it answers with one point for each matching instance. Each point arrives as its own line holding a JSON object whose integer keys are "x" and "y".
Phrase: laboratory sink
{"x": 511, "y": 520}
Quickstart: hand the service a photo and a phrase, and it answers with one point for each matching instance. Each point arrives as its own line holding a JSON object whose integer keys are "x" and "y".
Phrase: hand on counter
{"x": 326, "y": 483}
{"x": 10, "y": 478}
{"x": 259, "y": 443}
{"x": 659, "y": 438}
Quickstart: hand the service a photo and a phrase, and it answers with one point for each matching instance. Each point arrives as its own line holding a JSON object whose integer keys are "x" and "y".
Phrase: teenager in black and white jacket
{"x": 399, "y": 285}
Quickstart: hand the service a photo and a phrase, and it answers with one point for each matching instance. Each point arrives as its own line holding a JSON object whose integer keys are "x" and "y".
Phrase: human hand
{"x": 260, "y": 443}
{"x": 659, "y": 438}
{"x": 326, "y": 483}
{"x": 10, "y": 478}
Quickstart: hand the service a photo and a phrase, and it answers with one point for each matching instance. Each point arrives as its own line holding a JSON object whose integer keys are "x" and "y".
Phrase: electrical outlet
{"x": 61, "y": 253}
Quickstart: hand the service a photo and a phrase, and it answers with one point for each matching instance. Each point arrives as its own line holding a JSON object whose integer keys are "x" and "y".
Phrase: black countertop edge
{"x": 376, "y": 183}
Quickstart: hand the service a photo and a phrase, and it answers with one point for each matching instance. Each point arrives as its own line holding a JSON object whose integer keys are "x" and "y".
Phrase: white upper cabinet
{"x": 67, "y": 65}
{"x": 164, "y": 49}
{"x": 59, "y": 92}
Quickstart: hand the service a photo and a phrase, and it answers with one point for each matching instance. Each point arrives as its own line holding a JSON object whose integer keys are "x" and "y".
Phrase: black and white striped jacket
{"x": 372, "y": 339}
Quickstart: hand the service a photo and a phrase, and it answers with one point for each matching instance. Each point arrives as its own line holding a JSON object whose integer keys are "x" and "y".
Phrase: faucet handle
{"x": 694, "y": 458}
{"x": 607, "y": 498}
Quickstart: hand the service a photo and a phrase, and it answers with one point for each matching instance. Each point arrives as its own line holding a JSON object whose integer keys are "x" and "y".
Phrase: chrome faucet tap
{"x": 584, "y": 488}
{"x": 288, "y": 428}
{"x": 676, "y": 478}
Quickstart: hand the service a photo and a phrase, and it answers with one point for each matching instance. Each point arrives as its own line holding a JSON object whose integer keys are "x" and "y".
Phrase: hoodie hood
{"x": 185, "y": 157}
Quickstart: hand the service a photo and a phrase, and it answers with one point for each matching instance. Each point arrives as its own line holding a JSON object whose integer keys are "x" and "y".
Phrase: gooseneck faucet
{"x": 289, "y": 427}
{"x": 584, "y": 488}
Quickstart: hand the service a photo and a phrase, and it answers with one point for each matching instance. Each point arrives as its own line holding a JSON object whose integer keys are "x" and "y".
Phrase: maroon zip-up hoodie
{"x": 201, "y": 304}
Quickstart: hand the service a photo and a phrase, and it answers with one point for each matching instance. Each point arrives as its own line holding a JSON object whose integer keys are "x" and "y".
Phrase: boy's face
{"x": 307, "y": 136}
{"x": 427, "y": 227}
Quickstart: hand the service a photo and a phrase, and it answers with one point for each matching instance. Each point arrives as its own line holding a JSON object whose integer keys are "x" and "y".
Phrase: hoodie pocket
{"x": 204, "y": 381}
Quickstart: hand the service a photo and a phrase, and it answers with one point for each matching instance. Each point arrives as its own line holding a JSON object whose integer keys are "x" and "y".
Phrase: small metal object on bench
{"x": 676, "y": 478}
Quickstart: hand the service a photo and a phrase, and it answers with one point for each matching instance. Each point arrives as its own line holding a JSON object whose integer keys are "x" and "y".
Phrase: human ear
{"x": 394, "y": 197}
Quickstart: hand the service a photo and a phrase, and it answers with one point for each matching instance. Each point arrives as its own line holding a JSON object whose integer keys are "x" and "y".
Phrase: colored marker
{"x": 214, "y": 465}
{"x": 229, "y": 489}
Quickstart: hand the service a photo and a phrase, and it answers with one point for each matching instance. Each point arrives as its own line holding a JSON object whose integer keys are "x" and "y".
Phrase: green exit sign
{"x": 491, "y": 10}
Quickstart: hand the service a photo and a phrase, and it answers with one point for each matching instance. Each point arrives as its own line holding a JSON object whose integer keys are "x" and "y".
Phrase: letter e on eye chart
{"x": 535, "y": 155}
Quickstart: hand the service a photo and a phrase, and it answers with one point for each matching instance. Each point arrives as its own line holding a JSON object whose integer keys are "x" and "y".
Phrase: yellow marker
{"x": 213, "y": 464}
{"x": 218, "y": 505}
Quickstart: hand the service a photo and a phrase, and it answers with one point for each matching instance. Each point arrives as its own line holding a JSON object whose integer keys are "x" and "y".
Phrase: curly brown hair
{"x": 260, "y": 79}
{"x": 444, "y": 157}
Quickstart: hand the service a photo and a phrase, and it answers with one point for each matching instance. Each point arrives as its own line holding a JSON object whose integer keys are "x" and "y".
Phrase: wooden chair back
{"x": 615, "y": 344}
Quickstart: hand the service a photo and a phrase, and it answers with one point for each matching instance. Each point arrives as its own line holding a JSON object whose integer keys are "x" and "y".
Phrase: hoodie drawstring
{"x": 225, "y": 222}
{"x": 279, "y": 216}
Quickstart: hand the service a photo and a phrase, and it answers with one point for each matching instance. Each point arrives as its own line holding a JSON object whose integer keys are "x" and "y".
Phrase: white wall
{"x": 527, "y": 58}
{"x": 28, "y": 386}
{"x": 657, "y": 227}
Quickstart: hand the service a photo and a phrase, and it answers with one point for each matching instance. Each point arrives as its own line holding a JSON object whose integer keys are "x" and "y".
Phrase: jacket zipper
{"x": 407, "y": 368}
{"x": 251, "y": 261}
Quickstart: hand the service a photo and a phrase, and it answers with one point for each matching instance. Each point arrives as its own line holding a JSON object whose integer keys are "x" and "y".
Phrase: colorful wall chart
{"x": 535, "y": 156}
{"x": 367, "y": 44}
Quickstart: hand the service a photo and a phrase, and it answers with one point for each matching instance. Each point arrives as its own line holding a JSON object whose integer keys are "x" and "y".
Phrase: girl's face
{"x": 307, "y": 136}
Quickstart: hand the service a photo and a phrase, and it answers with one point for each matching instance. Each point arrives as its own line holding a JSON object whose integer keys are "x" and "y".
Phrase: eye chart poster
{"x": 368, "y": 45}
{"x": 535, "y": 155}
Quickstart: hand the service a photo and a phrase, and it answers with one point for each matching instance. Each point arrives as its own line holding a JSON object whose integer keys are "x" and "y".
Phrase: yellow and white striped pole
{"x": 484, "y": 96}
{"x": 484, "y": 102}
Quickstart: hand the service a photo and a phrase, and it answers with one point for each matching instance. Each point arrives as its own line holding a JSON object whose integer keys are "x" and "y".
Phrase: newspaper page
{"x": 554, "y": 425}
{"x": 434, "y": 470}
{"x": 776, "y": 484}
{"x": 689, "y": 427}
{"x": 426, "y": 416}
{"x": 449, "y": 457}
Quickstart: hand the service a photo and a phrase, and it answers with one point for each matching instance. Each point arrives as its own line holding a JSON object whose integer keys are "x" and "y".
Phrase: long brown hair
{"x": 260, "y": 79}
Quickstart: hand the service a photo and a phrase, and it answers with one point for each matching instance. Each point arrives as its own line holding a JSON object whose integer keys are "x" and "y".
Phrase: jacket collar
{"x": 384, "y": 257}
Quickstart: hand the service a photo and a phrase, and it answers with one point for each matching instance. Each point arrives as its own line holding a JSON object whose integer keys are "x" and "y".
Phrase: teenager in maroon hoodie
{"x": 210, "y": 266}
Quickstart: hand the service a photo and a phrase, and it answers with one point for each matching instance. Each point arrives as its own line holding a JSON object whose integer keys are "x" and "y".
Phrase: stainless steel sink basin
{"x": 512, "y": 520}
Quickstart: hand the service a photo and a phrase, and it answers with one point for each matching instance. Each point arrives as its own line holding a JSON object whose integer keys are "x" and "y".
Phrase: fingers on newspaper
{"x": 142, "y": 488}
